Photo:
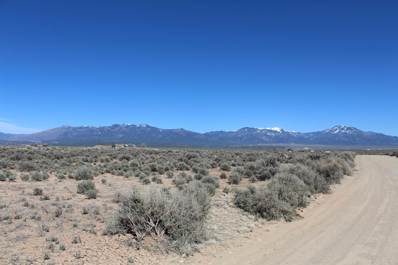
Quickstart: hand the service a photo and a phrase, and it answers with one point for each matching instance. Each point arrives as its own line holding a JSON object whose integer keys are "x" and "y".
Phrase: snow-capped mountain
{"x": 339, "y": 129}
{"x": 276, "y": 129}
{"x": 151, "y": 136}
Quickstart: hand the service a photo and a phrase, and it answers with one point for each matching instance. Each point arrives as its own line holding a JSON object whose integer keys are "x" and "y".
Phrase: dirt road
{"x": 356, "y": 224}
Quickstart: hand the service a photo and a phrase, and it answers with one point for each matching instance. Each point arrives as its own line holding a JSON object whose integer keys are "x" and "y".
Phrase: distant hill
{"x": 152, "y": 136}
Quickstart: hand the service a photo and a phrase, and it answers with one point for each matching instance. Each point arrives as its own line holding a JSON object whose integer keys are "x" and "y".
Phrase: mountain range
{"x": 245, "y": 137}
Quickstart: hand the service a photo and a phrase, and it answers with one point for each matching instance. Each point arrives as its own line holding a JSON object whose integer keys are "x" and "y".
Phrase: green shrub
{"x": 330, "y": 170}
{"x": 37, "y": 192}
{"x": 225, "y": 167}
{"x": 234, "y": 179}
{"x": 200, "y": 170}
{"x": 307, "y": 175}
{"x": 91, "y": 194}
{"x": 178, "y": 216}
{"x": 145, "y": 180}
{"x": 157, "y": 180}
{"x": 26, "y": 166}
{"x": 25, "y": 177}
{"x": 87, "y": 187}
{"x": 198, "y": 176}
{"x": 211, "y": 183}
{"x": 181, "y": 180}
{"x": 3, "y": 176}
{"x": 289, "y": 188}
{"x": 83, "y": 173}
{"x": 349, "y": 158}
{"x": 245, "y": 199}
{"x": 84, "y": 186}
{"x": 61, "y": 175}
{"x": 263, "y": 203}
{"x": 3, "y": 164}
{"x": 279, "y": 199}
{"x": 38, "y": 176}
{"x": 226, "y": 190}
{"x": 261, "y": 170}
{"x": 11, "y": 177}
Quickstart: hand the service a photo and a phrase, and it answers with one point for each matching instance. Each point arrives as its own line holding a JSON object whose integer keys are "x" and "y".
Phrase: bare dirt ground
{"x": 356, "y": 224}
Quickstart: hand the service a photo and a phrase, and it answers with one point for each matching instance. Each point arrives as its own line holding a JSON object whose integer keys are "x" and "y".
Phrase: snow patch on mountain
{"x": 340, "y": 129}
{"x": 275, "y": 129}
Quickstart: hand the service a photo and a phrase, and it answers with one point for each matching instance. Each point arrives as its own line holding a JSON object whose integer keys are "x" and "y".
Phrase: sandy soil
{"x": 356, "y": 224}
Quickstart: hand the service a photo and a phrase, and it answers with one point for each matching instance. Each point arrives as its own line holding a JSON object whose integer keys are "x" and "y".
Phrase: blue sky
{"x": 201, "y": 65}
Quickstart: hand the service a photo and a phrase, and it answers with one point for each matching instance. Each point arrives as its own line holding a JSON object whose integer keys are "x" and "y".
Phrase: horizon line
{"x": 28, "y": 131}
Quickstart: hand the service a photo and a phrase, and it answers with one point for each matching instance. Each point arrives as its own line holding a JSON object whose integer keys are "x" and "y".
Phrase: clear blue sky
{"x": 201, "y": 65}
